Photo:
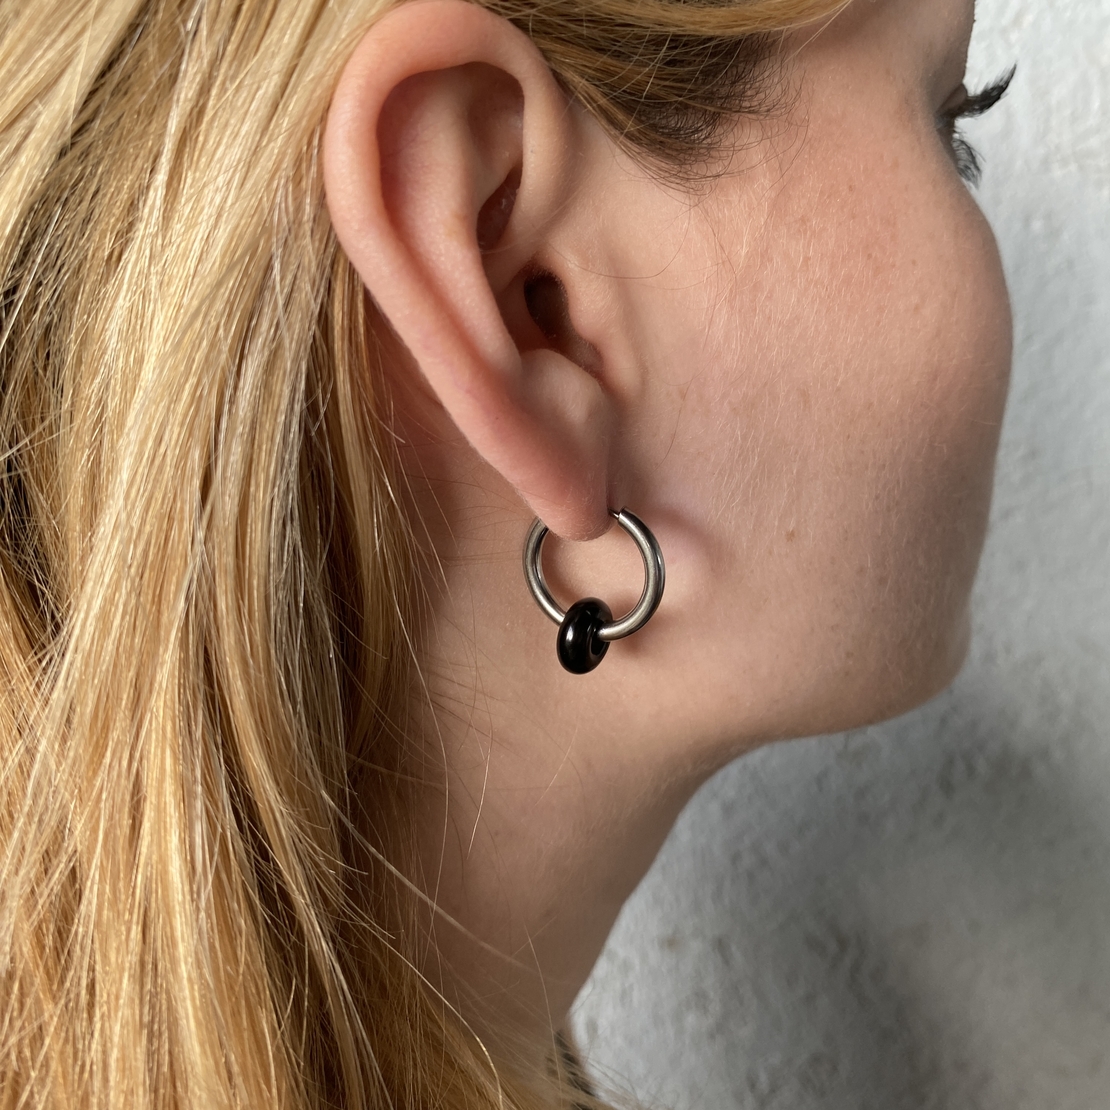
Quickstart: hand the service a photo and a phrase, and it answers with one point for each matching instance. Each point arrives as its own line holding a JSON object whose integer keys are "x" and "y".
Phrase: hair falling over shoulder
{"x": 206, "y": 572}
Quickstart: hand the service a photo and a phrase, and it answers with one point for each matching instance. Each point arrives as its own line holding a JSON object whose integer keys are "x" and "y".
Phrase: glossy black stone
{"x": 578, "y": 646}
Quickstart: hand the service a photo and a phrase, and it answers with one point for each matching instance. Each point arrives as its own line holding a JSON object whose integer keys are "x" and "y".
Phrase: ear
{"x": 449, "y": 153}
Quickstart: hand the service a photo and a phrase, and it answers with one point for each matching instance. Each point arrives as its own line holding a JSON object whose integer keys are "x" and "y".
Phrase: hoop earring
{"x": 587, "y": 628}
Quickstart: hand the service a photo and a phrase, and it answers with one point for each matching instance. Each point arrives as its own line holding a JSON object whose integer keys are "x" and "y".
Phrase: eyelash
{"x": 969, "y": 164}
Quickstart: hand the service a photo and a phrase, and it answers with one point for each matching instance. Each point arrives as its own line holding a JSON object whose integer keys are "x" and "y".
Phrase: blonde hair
{"x": 206, "y": 574}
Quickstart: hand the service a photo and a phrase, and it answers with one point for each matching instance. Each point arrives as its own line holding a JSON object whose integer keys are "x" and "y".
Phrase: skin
{"x": 794, "y": 372}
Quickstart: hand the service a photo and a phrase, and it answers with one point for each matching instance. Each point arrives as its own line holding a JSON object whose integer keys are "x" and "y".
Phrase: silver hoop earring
{"x": 587, "y": 628}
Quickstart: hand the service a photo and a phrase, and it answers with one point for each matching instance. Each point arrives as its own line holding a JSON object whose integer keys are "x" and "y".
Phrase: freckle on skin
{"x": 790, "y": 535}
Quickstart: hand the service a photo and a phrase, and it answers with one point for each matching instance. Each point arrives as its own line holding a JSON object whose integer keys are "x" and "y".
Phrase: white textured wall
{"x": 917, "y": 916}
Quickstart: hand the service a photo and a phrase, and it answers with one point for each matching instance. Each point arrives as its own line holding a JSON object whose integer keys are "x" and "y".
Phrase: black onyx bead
{"x": 579, "y": 647}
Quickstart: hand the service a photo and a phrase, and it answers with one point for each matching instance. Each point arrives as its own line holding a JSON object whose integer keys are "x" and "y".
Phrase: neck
{"x": 524, "y": 916}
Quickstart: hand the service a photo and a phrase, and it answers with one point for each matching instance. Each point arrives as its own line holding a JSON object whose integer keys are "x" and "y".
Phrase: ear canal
{"x": 546, "y": 298}
{"x": 495, "y": 213}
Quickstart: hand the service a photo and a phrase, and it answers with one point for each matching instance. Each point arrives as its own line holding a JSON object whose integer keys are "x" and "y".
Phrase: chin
{"x": 898, "y": 681}
{"x": 923, "y": 677}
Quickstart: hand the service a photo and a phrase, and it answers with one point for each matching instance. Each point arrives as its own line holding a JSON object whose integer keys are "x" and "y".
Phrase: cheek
{"x": 948, "y": 352}
{"x": 854, "y": 414}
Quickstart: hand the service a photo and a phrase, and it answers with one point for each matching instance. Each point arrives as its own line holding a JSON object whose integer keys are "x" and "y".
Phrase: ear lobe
{"x": 448, "y": 156}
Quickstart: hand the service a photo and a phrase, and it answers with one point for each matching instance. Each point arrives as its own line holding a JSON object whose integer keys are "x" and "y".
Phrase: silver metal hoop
{"x": 655, "y": 577}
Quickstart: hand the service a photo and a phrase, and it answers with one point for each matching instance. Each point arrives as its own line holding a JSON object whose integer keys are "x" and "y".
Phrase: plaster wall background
{"x": 918, "y": 915}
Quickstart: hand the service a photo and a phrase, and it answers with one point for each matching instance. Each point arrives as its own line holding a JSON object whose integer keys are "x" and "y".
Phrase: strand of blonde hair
{"x": 206, "y": 574}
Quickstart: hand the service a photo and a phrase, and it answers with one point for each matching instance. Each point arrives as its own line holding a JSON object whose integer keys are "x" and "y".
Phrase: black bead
{"x": 578, "y": 645}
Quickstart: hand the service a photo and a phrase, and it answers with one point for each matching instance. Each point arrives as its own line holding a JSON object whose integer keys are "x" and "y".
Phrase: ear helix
{"x": 587, "y": 628}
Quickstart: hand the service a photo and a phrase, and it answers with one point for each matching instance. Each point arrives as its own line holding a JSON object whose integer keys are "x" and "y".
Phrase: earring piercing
{"x": 587, "y": 628}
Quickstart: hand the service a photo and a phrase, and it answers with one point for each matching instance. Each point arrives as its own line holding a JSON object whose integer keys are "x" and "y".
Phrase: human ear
{"x": 448, "y": 156}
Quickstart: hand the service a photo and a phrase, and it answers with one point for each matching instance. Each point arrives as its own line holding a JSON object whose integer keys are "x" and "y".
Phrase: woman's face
{"x": 826, "y": 333}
